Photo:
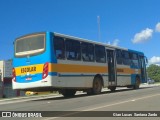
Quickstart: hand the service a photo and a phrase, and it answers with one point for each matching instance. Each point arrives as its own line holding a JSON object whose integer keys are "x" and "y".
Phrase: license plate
{"x": 29, "y": 78}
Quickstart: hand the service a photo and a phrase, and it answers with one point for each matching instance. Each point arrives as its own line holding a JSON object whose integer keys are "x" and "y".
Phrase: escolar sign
{"x": 28, "y": 69}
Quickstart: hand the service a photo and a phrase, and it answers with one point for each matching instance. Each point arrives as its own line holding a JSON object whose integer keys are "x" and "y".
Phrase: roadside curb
{"x": 29, "y": 97}
{"x": 149, "y": 85}
{"x": 37, "y": 97}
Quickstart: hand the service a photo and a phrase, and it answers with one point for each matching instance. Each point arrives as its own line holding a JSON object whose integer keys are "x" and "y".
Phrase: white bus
{"x": 53, "y": 61}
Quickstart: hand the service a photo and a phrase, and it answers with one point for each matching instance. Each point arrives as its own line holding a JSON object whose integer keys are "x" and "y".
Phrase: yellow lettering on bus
{"x": 28, "y": 69}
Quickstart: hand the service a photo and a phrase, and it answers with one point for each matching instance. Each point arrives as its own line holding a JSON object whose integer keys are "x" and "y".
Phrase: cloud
{"x": 154, "y": 60}
{"x": 157, "y": 29}
{"x": 115, "y": 42}
{"x": 143, "y": 36}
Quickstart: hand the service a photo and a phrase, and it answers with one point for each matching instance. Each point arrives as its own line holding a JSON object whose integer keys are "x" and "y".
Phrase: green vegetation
{"x": 154, "y": 72}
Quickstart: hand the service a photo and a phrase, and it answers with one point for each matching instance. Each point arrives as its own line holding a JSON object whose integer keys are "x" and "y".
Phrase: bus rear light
{"x": 45, "y": 70}
{"x": 13, "y": 75}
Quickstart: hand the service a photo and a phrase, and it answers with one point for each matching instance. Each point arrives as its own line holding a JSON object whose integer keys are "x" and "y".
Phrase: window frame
{"x": 119, "y": 57}
{"x": 63, "y": 56}
{"x": 30, "y": 52}
{"x": 72, "y": 41}
{"x": 134, "y": 59}
{"x": 88, "y": 45}
{"x": 96, "y": 54}
{"x": 126, "y": 58}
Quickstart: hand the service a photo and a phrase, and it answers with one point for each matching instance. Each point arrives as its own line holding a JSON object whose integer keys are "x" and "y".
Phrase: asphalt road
{"x": 100, "y": 106}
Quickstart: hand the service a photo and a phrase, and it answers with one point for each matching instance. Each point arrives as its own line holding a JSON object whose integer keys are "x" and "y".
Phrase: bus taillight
{"x": 45, "y": 70}
{"x": 13, "y": 75}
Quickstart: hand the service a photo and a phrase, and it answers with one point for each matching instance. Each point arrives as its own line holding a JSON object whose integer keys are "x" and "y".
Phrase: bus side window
{"x": 119, "y": 57}
{"x": 134, "y": 59}
{"x": 73, "y": 50}
{"x": 126, "y": 58}
{"x": 87, "y": 52}
{"x": 59, "y": 47}
{"x": 100, "y": 54}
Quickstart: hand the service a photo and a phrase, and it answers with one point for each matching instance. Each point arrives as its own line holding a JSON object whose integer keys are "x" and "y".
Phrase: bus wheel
{"x": 137, "y": 84}
{"x": 68, "y": 92}
{"x": 97, "y": 86}
{"x": 112, "y": 88}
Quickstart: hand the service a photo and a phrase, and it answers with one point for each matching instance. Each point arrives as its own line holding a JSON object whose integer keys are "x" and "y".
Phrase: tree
{"x": 154, "y": 72}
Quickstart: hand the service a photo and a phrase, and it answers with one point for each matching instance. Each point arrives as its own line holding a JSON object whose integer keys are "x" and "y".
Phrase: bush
{"x": 154, "y": 72}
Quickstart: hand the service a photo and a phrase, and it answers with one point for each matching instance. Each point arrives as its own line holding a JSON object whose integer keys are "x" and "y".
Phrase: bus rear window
{"x": 30, "y": 45}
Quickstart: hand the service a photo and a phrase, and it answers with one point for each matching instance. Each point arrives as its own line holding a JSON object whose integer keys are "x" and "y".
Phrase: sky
{"x": 132, "y": 24}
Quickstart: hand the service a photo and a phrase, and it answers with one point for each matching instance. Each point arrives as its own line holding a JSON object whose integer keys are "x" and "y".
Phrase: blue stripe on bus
{"x": 34, "y": 78}
{"x": 133, "y": 79}
{"x": 124, "y": 75}
{"x": 82, "y": 75}
{"x": 78, "y": 75}
{"x": 137, "y": 52}
{"x": 52, "y": 73}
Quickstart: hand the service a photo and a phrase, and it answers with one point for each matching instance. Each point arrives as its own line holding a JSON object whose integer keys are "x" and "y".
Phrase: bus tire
{"x": 68, "y": 92}
{"x": 137, "y": 84}
{"x": 97, "y": 86}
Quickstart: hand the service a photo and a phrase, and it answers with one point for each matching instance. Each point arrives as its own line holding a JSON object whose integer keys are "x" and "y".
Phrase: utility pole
{"x": 99, "y": 32}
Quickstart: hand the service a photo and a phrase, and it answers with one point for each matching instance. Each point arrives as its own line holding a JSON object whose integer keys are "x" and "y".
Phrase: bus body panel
{"x": 29, "y": 69}
{"x": 32, "y": 85}
{"x": 70, "y": 74}
{"x": 79, "y": 74}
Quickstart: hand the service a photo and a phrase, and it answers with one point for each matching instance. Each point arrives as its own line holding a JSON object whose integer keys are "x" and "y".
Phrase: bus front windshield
{"x": 30, "y": 45}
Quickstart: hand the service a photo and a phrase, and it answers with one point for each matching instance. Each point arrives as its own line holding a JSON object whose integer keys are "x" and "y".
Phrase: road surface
{"x": 115, "y": 106}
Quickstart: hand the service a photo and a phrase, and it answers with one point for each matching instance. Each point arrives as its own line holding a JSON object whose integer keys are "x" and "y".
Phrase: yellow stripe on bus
{"x": 33, "y": 69}
{"x": 77, "y": 68}
{"x": 71, "y": 68}
{"x": 127, "y": 70}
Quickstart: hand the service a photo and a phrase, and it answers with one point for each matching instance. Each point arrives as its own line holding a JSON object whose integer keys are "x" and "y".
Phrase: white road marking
{"x": 121, "y": 102}
{"x": 91, "y": 109}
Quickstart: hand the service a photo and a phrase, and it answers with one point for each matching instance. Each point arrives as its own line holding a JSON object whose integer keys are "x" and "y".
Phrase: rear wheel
{"x": 68, "y": 92}
{"x": 97, "y": 86}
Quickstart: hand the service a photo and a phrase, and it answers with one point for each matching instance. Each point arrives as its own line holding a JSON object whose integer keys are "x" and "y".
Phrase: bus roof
{"x": 95, "y": 42}
{"x": 87, "y": 40}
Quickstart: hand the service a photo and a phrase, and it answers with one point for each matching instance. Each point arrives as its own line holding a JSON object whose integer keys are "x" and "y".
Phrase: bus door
{"x": 143, "y": 69}
{"x": 111, "y": 67}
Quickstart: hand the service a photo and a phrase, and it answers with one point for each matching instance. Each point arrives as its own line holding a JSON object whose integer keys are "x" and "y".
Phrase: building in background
{"x": 6, "y": 80}
{"x": 6, "y": 69}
